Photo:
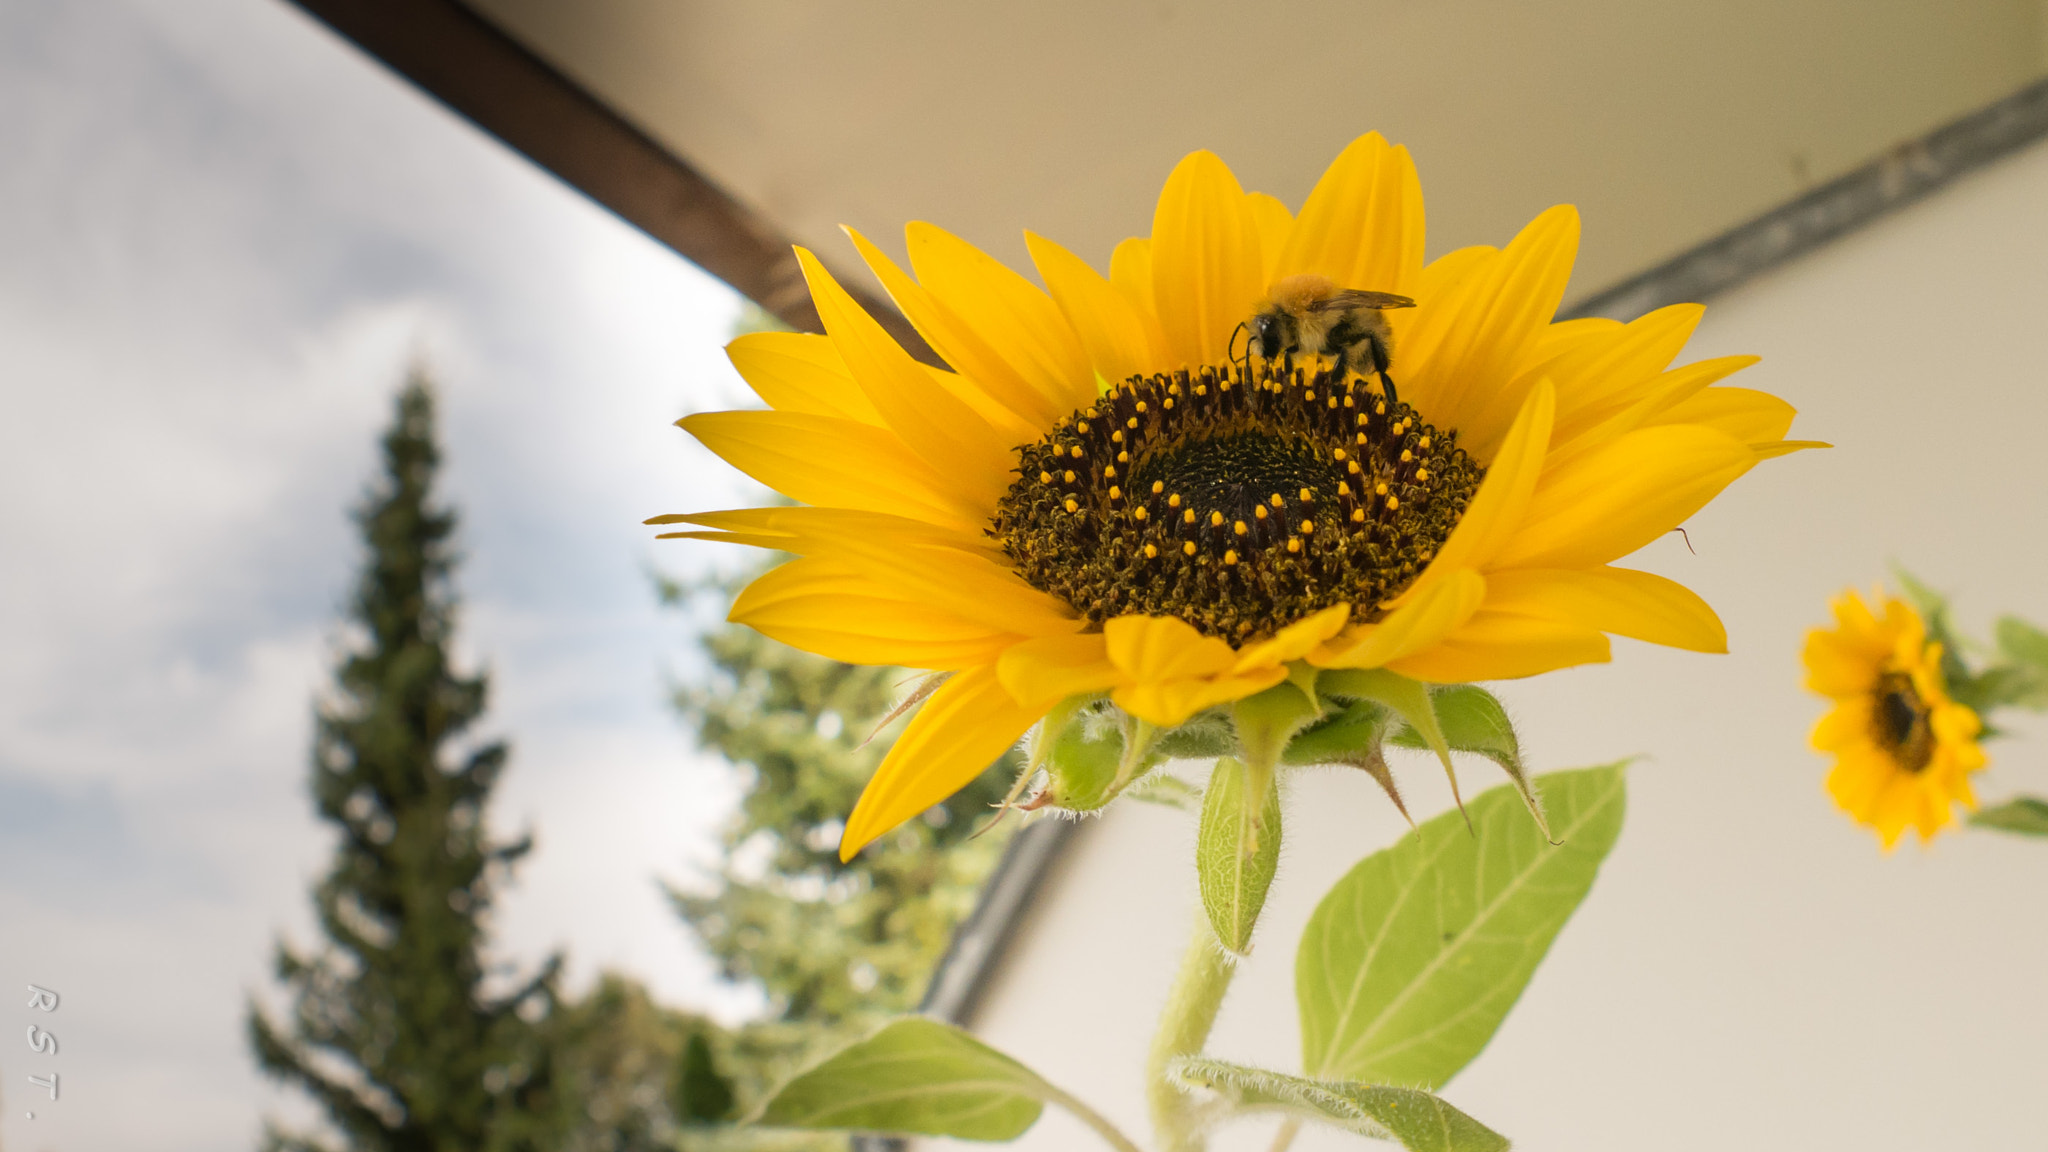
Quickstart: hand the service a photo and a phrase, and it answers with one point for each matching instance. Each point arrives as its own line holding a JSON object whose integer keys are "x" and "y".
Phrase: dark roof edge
{"x": 1901, "y": 176}
{"x": 468, "y": 64}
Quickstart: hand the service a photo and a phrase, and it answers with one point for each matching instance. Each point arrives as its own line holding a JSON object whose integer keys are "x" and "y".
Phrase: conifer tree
{"x": 394, "y": 1029}
{"x": 837, "y": 947}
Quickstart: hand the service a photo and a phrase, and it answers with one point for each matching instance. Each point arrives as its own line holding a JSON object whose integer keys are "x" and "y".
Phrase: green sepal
{"x": 1205, "y": 736}
{"x": 2025, "y": 815}
{"x": 1417, "y": 1120}
{"x": 1237, "y": 850}
{"x": 1353, "y": 738}
{"x": 1412, "y": 960}
{"x": 1265, "y": 723}
{"x": 1409, "y": 699}
{"x": 1472, "y": 719}
{"x": 1095, "y": 755}
{"x": 913, "y": 1077}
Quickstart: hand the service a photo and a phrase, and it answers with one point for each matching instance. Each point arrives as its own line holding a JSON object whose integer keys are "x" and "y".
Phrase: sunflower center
{"x": 1238, "y": 502}
{"x": 1900, "y": 720}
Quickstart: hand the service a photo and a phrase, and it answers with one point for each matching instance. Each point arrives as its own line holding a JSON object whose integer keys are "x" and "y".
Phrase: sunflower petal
{"x": 1623, "y": 601}
{"x": 1414, "y": 626}
{"x": 1018, "y": 320}
{"x": 1655, "y": 399}
{"x": 1616, "y": 499}
{"x": 1479, "y": 333}
{"x": 1041, "y": 672}
{"x": 1294, "y": 641}
{"x": 1110, "y": 326}
{"x": 1170, "y": 671}
{"x": 800, "y": 372}
{"x": 822, "y": 606}
{"x": 1498, "y": 508}
{"x": 931, "y": 421}
{"x": 1495, "y": 645}
{"x": 966, "y": 726}
{"x": 1206, "y": 274}
{"x": 1743, "y": 413}
{"x": 832, "y": 463}
{"x": 1272, "y": 221}
{"x": 1362, "y": 225}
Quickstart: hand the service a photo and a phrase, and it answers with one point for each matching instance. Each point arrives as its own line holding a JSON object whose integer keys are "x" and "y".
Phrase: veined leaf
{"x": 1417, "y": 1120}
{"x": 915, "y": 1076}
{"x": 1235, "y": 857}
{"x": 1412, "y": 960}
{"x": 2025, "y": 815}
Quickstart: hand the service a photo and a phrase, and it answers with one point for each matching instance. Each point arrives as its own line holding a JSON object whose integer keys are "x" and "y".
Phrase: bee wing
{"x": 1354, "y": 298}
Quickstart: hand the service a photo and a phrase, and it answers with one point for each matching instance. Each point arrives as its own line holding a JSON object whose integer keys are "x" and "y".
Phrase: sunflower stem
{"x": 1191, "y": 1006}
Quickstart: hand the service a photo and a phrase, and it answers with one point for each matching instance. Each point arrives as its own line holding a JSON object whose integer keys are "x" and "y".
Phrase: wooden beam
{"x": 490, "y": 79}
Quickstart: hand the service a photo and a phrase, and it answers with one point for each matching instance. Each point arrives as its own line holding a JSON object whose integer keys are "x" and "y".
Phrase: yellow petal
{"x": 931, "y": 421}
{"x": 1836, "y": 667}
{"x": 1362, "y": 226}
{"x": 1618, "y": 498}
{"x": 1170, "y": 671}
{"x": 1653, "y": 399}
{"x": 1018, "y": 320}
{"x": 1130, "y": 273}
{"x": 1848, "y": 724}
{"x": 966, "y": 726}
{"x": 1623, "y": 601}
{"x": 957, "y": 342}
{"x": 800, "y": 372}
{"x": 828, "y": 608}
{"x": 1206, "y": 274}
{"x": 1414, "y": 626}
{"x": 1477, "y": 335}
{"x": 1041, "y": 672}
{"x": 1272, "y": 221}
{"x": 833, "y": 463}
{"x": 802, "y": 530}
{"x": 1164, "y": 648}
{"x": 1294, "y": 641}
{"x": 1601, "y": 377}
{"x": 1495, "y": 645}
{"x": 1743, "y": 413}
{"x": 1501, "y": 504}
{"x": 1169, "y": 703}
{"x": 1109, "y": 325}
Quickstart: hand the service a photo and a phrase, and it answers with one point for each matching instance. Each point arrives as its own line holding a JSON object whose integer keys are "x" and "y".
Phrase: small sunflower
{"x": 1104, "y": 495}
{"x": 1903, "y": 750}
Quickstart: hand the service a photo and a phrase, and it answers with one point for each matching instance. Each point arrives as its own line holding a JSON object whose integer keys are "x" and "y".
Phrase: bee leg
{"x": 1387, "y": 386}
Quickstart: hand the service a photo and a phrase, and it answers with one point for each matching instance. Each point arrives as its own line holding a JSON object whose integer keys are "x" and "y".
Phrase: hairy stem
{"x": 1284, "y": 1138}
{"x": 1191, "y": 1005}
{"x": 1095, "y": 1120}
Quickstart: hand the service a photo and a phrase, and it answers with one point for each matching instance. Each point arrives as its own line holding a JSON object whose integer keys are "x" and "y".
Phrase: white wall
{"x": 1750, "y": 972}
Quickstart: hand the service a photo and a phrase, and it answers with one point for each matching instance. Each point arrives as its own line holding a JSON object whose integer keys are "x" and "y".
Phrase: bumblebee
{"x": 1311, "y": 315}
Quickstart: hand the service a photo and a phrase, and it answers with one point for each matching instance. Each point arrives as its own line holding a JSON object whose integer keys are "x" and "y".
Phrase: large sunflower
{"x": 1903, "y": 750}
{"x": 1105, "y": 496}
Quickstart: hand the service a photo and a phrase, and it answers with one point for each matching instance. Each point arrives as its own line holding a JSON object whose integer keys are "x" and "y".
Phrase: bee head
{"x": 1266, "y": 334}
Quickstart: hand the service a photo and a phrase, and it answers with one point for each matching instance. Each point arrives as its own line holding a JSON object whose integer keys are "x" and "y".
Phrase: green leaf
{"x": 1418, "y": 1120}
{"x": 916, "y": 1077}
{"x": 1412, "y": 960}
{"x": 1474, "y": 720}
{"x": 2025, "y": 815}
{"x": 1235, "y": 855}
{"x": 1082, "y": 760}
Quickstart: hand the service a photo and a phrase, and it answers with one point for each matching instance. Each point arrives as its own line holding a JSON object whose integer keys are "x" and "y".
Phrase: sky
{"x": 224, "y": 235}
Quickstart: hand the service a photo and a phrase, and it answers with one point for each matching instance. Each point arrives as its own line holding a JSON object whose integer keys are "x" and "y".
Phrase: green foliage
{"x": 2016, "y": 676}
{"x": 391, "y": 1030}
{"x": 631, "y": 1072}
{"x": 1236, "y": 855}
{"x": 1415, "y": 1119}
{"x": 2024, "y": 815}
{"x": 837, "y": 947}
{"x": 1411, "y": 961}
{"x": 916, "y": 1077}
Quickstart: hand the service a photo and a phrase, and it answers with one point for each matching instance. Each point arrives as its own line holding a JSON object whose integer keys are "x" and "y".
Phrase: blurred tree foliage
{"x": 393, "y": 1030}
{"x": 837, "y": 947}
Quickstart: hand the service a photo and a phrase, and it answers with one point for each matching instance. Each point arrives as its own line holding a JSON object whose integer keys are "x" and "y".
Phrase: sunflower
{"x": 1903, "y": 750}
{"x": 1104, "y": 496}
